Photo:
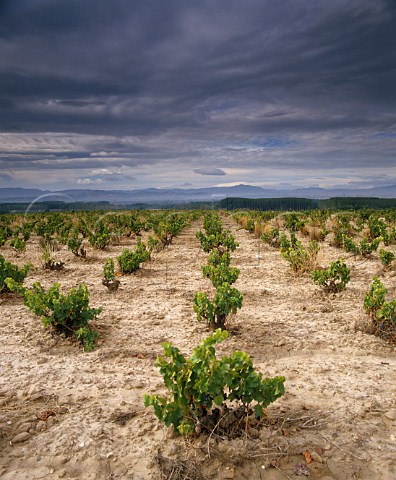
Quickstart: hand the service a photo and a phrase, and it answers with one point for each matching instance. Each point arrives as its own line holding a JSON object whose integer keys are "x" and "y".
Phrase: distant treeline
{"x": 357, "y": 203}
{"x": 282, "y": 204}
{"x": 60, "y": 206}
{"x": 262, "y": 204}
{"x": 53, "y": 206}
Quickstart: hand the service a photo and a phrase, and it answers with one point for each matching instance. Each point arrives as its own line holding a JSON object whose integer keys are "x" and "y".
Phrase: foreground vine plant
{"x": 226, "y": 300}
{"x": 129, "y": 261}
{"x": 386, "y": 257}
{"x": 9, "y": 270}
{"x": 219, "y": 243}
{"x": 381, "y": 312}
{"x": 109, "y": 280}
{"x": 198, "y": 383}
{"x": 69, "y": 314}
{"x": 221, "y": 273}
{"x": 364, "y": 248}
{"x": 333, "y": 279}
{"x": 301, "y": 259}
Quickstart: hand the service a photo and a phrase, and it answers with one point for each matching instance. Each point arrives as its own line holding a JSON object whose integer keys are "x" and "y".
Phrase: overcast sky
{"x": 127, "y": 94}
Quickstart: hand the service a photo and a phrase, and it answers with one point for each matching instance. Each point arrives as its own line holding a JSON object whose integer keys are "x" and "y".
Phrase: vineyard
{"x": 198, "y": 345}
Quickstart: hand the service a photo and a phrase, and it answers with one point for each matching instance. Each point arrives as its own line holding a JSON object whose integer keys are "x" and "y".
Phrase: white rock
{"x": 391, "y": 414}
{"x": 21, "y": 437}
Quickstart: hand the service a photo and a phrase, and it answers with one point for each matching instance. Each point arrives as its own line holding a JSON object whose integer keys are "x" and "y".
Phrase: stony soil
{"x": 69, "y": 414}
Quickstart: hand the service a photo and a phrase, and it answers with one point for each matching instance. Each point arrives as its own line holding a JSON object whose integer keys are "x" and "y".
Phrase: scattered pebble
{"x": 391, "y": 414}
{"x": 21, "y": 437}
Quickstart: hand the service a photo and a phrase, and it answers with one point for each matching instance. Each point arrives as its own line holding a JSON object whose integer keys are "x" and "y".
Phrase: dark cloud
{"x": 255, "y": 84}
{"x": 209, "y": 171}
{"x": 4, "y": 177}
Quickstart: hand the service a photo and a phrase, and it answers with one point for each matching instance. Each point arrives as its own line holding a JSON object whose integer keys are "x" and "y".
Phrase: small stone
{"x": 173, "y": 449}
{"x": 316, "y": 457}
{"x": 223, "y": 447}
{"x": 227, "y": 474}
{"x": 375, "y": 405}
{"x": 41, "y": 426}
{"x": 391, "y": 414}
{"x": 41, "y": 361}
{"x": 329, "y": 393}
{"x": 326, "y": 308}
{"x": 24, "y": 427}
{"x": 321, "y": 369}
{"x": 21, "y": 437}
{"x": 50, "y": 422}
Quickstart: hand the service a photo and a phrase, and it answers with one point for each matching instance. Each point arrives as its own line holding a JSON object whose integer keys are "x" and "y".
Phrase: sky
{"x": 132, "y": 94}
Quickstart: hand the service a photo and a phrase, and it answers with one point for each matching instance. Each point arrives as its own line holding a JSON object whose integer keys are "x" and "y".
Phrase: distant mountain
{"x": 13, "y": 195}
{"x": 157, "y": 195}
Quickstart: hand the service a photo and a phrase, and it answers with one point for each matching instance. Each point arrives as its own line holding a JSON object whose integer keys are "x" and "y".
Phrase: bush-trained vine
{"x": 129, "y": 261}
{"x": 198, "y": 383}
{"x": 223, "y": 241}
{"x": 386, "y": 257}
{"x": 132, "y": 224}
{"x": 271, "y": 237}
{"x": 293, "y": 221}
{"x": 364, "y": 248}
{"x": 109, "y": 280}
{"x": 375, "y": 297}
{"x": 69, "y": 314}
{"x": 9, "y": 270}
{"x": 221, "y": 273}
{"x": 152, "y": 243}
{"x": 100, "y": 238}
{"x": 216, "y": 257}
{"x": 18, "y": 244}
{"x": 378, "y": 228}
{"x": 49, "y": 245}
{"x": 75, "y": 244}
{"x": 226, "y": 300}
{"x": 5, "y": 234}
{"x": 212, "y": 223}
{"x": 302, "y": 259}
{"x": 333, "y": 279}
{"x": 215, "y": 237}
{"x": 167, "y": 227}
{"x": 381, "y": 312}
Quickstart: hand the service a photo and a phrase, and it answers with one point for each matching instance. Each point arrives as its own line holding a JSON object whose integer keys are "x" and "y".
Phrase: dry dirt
{"x": 69, "y": 414}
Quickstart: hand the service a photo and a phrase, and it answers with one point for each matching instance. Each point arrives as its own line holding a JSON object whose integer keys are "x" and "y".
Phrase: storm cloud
{"x": 209, "y": 171}
{"x": 155, "y": 92}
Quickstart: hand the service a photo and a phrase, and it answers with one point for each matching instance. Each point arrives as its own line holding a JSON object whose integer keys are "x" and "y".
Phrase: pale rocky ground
{"x": 74, "y": 415}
